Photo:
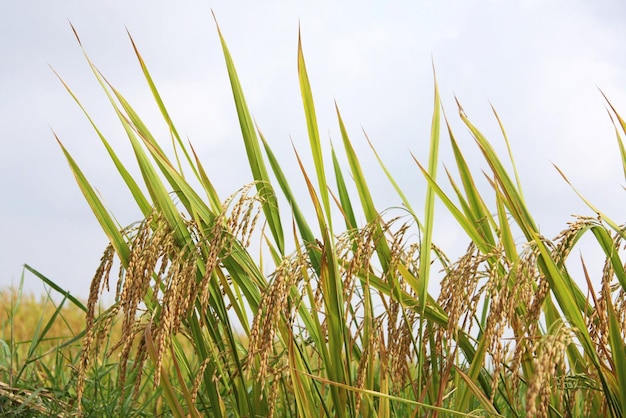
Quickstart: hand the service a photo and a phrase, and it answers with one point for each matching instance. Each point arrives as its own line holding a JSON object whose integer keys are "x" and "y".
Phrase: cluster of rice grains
{"x": 502, "y": 302}
{"x": 275, "y": 307}
{"x": 503, "y": 294}
{"x": 385, "y": 344}
{"x": 494, "y": 298}
{"x": 388, "y": 348}
{"x": 164, "y": 279}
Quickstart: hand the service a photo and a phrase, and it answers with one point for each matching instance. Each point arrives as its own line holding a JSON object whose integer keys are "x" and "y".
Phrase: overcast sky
{"x": 540, "y": 63}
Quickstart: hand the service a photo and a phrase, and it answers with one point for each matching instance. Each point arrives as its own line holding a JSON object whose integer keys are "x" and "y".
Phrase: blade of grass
{"x": 622, "y": 124}
{"x": 138, "y": 195}
{"x": 429, "y": 209}
{"x": 393, "y": 182}
{"x": 168, "y": 389}
{"x": 447, "y": 412}
{"x": 618, "y": 354}
{"x": 214, "y": 200}
{"x": 332, "y": 291}
{"x": 510, "y": 152}
{"x": 367, "y": 203}
{"x": 109, "y": 227}
{"x": 468, "y": 226}
{"x": 164, "y": 112}
{"x": 314, "y": 137}
{"x": 301, "y": 221}
{"x": 344, "y": 198}
{"x": 481, "y": 214}
{"x": 604, "y": 217}
{"x": 56, "y": 287}
{"x": 479, "y": 394}
{"x": 253, "y": 150}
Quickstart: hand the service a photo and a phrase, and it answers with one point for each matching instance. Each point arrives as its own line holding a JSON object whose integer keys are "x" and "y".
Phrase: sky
{"x": 541, "y": 64}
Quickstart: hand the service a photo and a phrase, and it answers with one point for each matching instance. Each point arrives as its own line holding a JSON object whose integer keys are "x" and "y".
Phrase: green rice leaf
{"x": 508, "y": 147}
{"x": 138, "y": 195}
{"x": 332, "y": 291}
{"x": 622, "y": 124}
{"x": 303, "y": 226}
{"x": 253, "y": 150}
{"x": 468, "y": 226}
{"x": 214, "y": 199}
{"x": 481, "y": 214}
{"x": 479, "y": 394}
{"x": 164, "y": 112}
{"x": 393, "y": 182}
{"x": 611, "y": 252}
{"x": 514, "y": 199}
{"x": 618, "y": 351}
{"x": 506, "y": 235}
{"x": 429, "y": 210}
{"x": 371, "y": 215}
{"x": 314, "y": 137}
{"x": 344, "y": 198}
{"x": 56, "y": 287}
{"x": 105, "y": 220}
{"x": 591, "y": 206}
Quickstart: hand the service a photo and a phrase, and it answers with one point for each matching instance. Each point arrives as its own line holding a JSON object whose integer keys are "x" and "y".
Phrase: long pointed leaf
{"x": 253, "y": 150}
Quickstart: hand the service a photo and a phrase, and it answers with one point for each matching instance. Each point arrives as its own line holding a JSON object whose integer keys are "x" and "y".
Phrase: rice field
{"x": 343, "y": 325}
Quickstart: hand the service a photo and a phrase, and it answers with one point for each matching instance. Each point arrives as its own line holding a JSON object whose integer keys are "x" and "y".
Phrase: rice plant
{"x": 344, "y": 325}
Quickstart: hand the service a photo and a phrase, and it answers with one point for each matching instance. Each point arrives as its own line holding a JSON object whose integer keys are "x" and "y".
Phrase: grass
{"x": 37, "y": 336}
{"x": 344, "y": 324}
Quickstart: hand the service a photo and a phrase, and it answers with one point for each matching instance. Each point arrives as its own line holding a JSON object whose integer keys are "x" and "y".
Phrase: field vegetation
{"x": 245, "y": 307}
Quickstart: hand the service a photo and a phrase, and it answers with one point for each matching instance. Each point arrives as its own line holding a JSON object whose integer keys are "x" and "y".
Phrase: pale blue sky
{"x": 540, "y": 63}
